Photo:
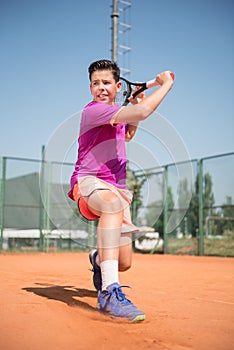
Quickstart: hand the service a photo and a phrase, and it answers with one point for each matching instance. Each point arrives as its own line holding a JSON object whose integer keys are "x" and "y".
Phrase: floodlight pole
{"x": 114, "y": 17}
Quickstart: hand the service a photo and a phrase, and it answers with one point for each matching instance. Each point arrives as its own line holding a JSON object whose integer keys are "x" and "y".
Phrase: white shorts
{"x": 87, "y": 185}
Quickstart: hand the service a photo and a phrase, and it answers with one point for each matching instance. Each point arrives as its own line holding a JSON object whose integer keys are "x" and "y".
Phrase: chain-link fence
{"x": 35, "y": 211}
{"x": 183, "y": 208}
{"x": 190, "y": 206}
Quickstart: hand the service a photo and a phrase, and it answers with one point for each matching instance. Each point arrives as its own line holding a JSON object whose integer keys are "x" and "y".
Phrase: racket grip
{"x": 152, "y": 83}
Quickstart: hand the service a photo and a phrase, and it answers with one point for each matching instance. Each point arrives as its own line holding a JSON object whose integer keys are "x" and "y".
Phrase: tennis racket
{"x": 122, "y": 97}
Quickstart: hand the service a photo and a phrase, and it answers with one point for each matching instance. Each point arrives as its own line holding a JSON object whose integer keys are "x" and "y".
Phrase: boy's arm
{"x": 143, "y": 109}
{"x": 132, "y": 128}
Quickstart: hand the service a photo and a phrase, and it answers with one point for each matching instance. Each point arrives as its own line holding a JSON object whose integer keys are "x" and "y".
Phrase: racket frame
{"x": 128, "y": 93}
{"x": 143, "y": 86}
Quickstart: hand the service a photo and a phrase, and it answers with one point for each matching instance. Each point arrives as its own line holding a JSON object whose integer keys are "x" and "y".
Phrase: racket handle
{"x": 152, "y": 83}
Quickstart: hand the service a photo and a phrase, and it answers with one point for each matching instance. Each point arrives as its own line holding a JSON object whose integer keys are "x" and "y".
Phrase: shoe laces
{"x": 120, "y": 296}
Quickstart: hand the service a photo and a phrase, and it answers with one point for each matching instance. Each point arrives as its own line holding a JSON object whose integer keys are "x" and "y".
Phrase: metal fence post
{"x": 47, "y": 205}
{"x": 200, "y": 209}
{"x": 165, "y": 210}
{"x": 2, "y": 199}
{"x": 41, "y": 204}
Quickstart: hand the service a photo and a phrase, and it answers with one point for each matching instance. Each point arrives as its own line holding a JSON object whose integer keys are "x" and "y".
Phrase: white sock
{"x": 110, "y": 274}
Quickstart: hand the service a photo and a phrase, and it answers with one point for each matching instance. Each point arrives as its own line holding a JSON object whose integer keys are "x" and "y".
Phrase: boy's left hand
{"x": 138, "y": 98}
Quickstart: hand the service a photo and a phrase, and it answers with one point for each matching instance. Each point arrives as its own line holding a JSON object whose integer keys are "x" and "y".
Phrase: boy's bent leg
{"x": 111, "y": 300}
{"x": 125, "y": 259}
{"x": 108, "y": 205}
{"x": 108, "y": 239}
{"x": 125, "y": 251}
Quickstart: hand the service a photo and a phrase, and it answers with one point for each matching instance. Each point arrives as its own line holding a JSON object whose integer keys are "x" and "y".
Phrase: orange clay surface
{"x": 47, "y": 301}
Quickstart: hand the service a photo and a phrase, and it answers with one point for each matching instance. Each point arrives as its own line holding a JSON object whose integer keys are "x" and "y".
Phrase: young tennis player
{"x": 98, "y": 183}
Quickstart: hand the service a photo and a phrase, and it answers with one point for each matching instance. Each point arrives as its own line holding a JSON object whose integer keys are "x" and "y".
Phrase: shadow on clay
{"x": 66, "y": 294}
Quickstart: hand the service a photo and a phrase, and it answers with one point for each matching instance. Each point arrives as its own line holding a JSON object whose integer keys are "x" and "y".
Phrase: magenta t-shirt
{"x": 101, "y": 151}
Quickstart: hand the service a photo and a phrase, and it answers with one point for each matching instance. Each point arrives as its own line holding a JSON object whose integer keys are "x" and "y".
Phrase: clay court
{"x": 48, "y": 302}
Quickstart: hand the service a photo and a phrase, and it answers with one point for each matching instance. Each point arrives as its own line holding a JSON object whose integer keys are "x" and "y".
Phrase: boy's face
{"x": 103, "y": 86}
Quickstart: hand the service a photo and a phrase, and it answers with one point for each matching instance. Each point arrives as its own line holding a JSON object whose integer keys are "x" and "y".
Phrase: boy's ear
{"x": 119, "y": 85}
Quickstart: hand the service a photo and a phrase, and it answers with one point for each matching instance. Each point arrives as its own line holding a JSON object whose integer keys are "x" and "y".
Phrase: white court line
{"x": 215, "y": 301}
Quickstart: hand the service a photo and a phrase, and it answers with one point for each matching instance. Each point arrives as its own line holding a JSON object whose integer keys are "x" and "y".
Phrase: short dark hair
{"x": 105, "y": 65}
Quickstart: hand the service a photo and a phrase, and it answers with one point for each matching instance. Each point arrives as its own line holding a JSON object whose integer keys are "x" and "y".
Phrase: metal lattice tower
{"x": 121, "y": 27}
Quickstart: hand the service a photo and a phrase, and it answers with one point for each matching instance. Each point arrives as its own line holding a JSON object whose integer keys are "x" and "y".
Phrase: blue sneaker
{"x": 97, "y": 277}
{"x": 114, "y": 303}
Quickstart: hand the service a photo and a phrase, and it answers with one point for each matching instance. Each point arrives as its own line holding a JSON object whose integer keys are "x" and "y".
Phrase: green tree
{"x": 155, "y": 215}
{"x": 228, "y": 211}
{"x": 134, "y": 184}
{"x": 208, "y": 202}
{"x": 184, "y": 198}
{"x": 208, "y": 196}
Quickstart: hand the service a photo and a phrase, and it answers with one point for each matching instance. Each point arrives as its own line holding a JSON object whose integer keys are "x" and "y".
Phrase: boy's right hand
{"x": 164, "y": 77}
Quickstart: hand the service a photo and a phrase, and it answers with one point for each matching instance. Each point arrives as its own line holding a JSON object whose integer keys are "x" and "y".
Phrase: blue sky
{"x": 46, "y": 47}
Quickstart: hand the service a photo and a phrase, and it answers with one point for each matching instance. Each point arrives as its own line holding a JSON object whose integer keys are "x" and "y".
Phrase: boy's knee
{"x": 124, "y": 266}
{"x": 114, "y": 204}
{"x": 105, "y": 202}
{"x": 110, "y": 203}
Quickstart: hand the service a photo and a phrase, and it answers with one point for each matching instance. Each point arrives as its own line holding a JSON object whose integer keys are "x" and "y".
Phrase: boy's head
{"x": 105, "y": 65}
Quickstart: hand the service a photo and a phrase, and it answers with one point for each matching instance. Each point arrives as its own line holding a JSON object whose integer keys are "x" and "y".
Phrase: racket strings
{"x": 123, "y": 95}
